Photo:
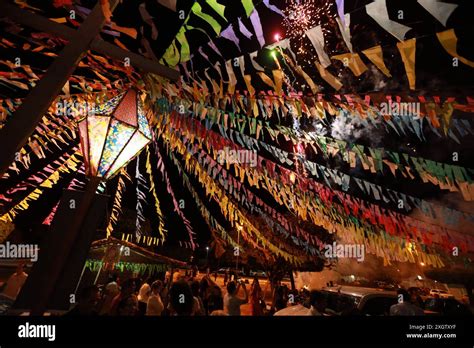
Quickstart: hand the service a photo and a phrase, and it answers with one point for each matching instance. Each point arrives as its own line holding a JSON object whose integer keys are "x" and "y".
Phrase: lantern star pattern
{"x": 114, "y": 134}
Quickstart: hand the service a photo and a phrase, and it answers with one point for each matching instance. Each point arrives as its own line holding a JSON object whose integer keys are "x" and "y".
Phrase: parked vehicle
{"x": 349, "y": 300}
{"x": 230, "y": 271}
{"x": 258, "y": 274}
{"x": 440, "y": 293}
{"x": 445, "y": 306}
{"x": 297, "y": 310}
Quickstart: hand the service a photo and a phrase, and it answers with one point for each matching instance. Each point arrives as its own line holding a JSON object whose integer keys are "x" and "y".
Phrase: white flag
{"x": 378, "y": 11}
{"x": 440, "y": 10}
{"x": 316, "y": 37}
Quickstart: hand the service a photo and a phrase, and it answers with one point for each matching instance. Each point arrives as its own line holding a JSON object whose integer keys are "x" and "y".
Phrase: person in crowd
{"x": 165, "y": 297}
{"x": 304, "y": 295}
{"x": 168, "y": 277}
{"x": 177, "y": 276}
{"x": 111, "y": 290}
{"x": 314, "y": 305}
{"x": 279, "y": 299}
{"x": 415, "y": 297}
{"x": 114, "y": 283}
{"x": 198, "y": 307}
{"x": 204, "y": 286}
{"x": 88, "y": 301}
{"x": 181, "y": 299}
{"x": 232, "y": 301}
{"x": 123, "y": 299}
{"x": 226, "y": 277}
{"x": 155, "y": 304}
{"x": 318, "y": 303}
{"x": 286, "y": 293}
{"x": 128, "y": 306}
{"x": 215, "y": 301}
{"x": 215, "y": 276}
{"x": 256, "y": 298}
{"x": 143, "y": 295}
{"x": 404, "y": 307}
{"x": 15, "y": 282}
{"x": 233, "y": 276}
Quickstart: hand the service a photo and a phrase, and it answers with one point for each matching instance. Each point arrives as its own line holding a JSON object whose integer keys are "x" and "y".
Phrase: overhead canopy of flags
{"x": 356, "y": 122}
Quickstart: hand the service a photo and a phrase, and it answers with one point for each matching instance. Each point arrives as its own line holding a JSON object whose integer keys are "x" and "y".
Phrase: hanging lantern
{"x": 114, "y": 134}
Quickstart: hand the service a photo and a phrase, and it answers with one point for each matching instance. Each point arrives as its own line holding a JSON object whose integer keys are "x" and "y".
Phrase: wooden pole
{"x": 44, "y": 278}
{"x": 292, "y": 281}
{"x": 98, "y": 273}
{"x": 14, "y": 135}
{"x": 80, "y": 279}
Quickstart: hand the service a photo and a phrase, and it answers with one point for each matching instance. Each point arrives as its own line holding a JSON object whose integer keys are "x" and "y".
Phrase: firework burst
{"x": 300, "y": 16}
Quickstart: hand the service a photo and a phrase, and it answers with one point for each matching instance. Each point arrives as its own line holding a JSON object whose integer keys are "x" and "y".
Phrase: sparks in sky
{"x": 300, "y": 16}
{"x": 303, "y": 15}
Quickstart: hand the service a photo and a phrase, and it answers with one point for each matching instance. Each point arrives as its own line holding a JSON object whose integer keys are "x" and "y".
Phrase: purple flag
{"x": 340, "y": 10}
{"x": 244, "y": 30}
{"x": 257, "y": 27}
{"x": 229, "y": 34}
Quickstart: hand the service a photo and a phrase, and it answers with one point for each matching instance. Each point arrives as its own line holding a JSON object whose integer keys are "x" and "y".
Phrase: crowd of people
{"x": 189, "y": 295}
{"x": 177, "y": 296}
{"x": 150, "y": 297}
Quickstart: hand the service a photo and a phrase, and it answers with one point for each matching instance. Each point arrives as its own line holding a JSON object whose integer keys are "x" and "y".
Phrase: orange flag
{"x": 375, "y": 55}
{"x": 353, "y": 62}
{"x": 449, "y": 41}
{"x": 328, "y": 77}
{"x": 408, "y": 52}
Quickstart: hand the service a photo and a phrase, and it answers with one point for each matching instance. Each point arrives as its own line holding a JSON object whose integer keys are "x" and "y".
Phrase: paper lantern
{"x": 113, "y": 134}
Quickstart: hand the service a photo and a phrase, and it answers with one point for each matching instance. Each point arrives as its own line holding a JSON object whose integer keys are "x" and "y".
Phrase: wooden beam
{"x": 35, "y": 21}
{"x": 43, "y": 24}
{"x": 136, "y": 60}
{"x": 14, "y": 135}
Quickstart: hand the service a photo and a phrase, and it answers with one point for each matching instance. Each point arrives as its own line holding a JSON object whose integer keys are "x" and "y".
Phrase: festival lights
{"x": 114, "y": 134}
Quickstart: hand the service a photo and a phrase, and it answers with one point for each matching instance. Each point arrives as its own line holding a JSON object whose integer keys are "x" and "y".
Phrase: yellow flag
{"x": 328, "y": 77}
{"x": 309, "y": 81}
{"x": 299, "y": 69}
{"x": 278, "y": 77}
{"x": 408, "y": 52}
{"x": 266, "y": 79}
{"x": 215, "y": 87}
{"x": 353, "y": 62}
{"x": 375, "y": 55}
{"x": 248, "y": 82}
{"x": 446, "y": 113}
{"x": 449, "y": 41}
